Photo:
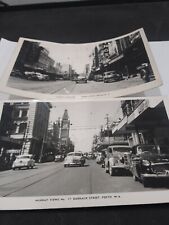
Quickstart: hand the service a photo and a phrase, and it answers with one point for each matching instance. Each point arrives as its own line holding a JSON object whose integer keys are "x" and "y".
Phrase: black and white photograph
{"x": 115, "y": 67}
{"x": 90, "y": 150}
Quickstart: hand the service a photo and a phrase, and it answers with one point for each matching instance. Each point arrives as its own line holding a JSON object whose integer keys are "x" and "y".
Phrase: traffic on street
{"x": 97, "y": 147}
{"x": 71, "y": 87}
{"x": 54, "y": 179}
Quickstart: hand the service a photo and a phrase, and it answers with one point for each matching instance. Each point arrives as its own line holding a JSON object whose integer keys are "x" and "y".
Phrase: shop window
{"x": 22, "y": 127}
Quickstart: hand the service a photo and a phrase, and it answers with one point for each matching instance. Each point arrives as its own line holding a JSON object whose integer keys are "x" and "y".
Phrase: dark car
{"x": 112, "y": 76}
{"x": 149, "y": 166}
{"x": 16, "y": 73}
{"x": 98, "y": 77}
{"x": 59, "y": 158}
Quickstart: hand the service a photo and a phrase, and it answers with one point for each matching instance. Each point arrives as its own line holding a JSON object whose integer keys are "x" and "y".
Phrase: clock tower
{"x": 65, "y": 126}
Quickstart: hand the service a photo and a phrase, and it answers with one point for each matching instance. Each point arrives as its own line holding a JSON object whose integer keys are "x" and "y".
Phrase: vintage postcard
{"x": 84, "y": 154}
{"x": 117, "y": 67}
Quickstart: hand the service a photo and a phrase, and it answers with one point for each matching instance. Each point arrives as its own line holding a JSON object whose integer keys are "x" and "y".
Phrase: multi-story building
{"x": 144, "y": 122}
{"x": 45, "y": 62}
{"x": 27, "y": 126}
{"x": 32, "y": 56}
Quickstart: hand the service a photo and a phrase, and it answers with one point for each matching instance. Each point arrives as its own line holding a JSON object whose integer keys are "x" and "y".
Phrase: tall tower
{"x": 65, "y": 126}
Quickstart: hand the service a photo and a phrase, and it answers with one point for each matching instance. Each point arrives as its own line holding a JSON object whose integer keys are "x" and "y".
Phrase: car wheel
{"x": 106, "y": 169}
{"x": 111, "y": 171}
{"x": 135, "y": 178}
{"x": 145, "y": 182}
{"x": 13, "y": 168}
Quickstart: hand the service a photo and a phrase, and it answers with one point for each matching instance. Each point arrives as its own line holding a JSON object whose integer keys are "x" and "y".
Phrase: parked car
{"x": 149, "y": 165}
{"x": 46, "y": 77}
{"x": 74, "y": 159}
{"x": 112, "y": 76}
{"x": 29, "y": 75}
{"x": 81, "y": 79}
{"x": 90, "y": 155}
{"x": 40, "y": 76}
{"x": 23, "y": 161}
{"x": 16, "y": 73}
{"x": 98, "y": 77}
{"x": 117, "y": 159}
{"x": 59, "y": 158}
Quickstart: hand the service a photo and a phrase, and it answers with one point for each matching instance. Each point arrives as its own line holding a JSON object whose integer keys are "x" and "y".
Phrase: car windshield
{"x": 109, "y": 73}
{"x": 75, "y": 154}
{"x": 148, "y": 148}
{"x": 122, "y": 149}
{"x": 24, "y": 157}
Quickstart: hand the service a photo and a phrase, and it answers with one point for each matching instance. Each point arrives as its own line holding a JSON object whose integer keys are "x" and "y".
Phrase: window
{"x": 24, "y": 113}
{"x": 22, "y": 127}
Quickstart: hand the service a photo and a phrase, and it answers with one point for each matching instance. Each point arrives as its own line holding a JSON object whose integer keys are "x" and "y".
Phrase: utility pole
{"x": 107, "y": 126}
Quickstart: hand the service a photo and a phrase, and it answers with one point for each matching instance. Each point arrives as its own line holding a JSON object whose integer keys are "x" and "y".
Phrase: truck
{"x": 117, "y": 161}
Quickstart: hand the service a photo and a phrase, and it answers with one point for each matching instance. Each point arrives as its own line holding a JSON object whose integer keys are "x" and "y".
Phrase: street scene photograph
{"x": 99, "y": 147}
{"x": 120, "y": 66}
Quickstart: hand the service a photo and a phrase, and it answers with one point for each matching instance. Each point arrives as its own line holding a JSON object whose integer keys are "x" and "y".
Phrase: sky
{"x": 77, "y": 55}
{"x": 86, "y": 119}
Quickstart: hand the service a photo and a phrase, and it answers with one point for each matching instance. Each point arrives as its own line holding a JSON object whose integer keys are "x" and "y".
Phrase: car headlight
{"x": 146, "y": 163}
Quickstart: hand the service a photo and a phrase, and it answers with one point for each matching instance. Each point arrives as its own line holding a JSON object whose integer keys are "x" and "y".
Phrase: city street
{"x": 53, "y": 179}
{"x": 70, "y": 87}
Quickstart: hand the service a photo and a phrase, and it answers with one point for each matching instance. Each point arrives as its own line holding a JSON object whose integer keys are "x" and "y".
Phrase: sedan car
{"x": 59, "y": 158}
{"x": 112, "y": 76}
{"x": 23, "y": 161}
{"x": 74, "y": 159}
{"x": 81, "y": 79}
{"x": 150, "y": 167}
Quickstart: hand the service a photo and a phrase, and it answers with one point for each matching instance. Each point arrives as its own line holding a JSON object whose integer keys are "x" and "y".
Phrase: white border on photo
{"x": 89, "y": 200}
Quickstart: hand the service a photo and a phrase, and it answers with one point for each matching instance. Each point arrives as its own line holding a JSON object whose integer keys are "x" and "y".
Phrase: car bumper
{"x": 121, "y": 167}
{"x": 19, "y": 166}
{"x": 156, "y": 176}
{"x": 72, "y": 164}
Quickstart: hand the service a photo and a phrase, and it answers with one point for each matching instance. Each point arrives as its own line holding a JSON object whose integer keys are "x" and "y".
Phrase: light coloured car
{"x": 81, "y": 79}
{"x": 74, "y": 159}
{"x": 117, "y": 159}
{"x": 112, "y": 76}
{"x": 23, "y": 161}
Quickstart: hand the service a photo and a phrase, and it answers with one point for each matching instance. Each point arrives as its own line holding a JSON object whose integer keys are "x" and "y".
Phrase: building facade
{"x": 144, "y": 122}
{"x": 33, "y": 57}
{"x": 26, "y": 130}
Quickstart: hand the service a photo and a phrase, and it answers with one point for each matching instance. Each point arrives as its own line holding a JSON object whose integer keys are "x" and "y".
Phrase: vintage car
{"x": 149, "y": 166}
{"x": 74, "y": 159}
{"x": 98, "y": 77}
{"x": 81, "y": 79}
{"x": 59, "y": 158}
{"x": 112, "y": 76}
{"x": 117, "y": 161}
{"x": 23, "y": 161}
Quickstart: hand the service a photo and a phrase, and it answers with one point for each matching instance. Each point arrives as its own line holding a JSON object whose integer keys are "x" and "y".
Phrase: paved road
{"x": 53, "y": 179}
{"x": 70, "y": 87}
